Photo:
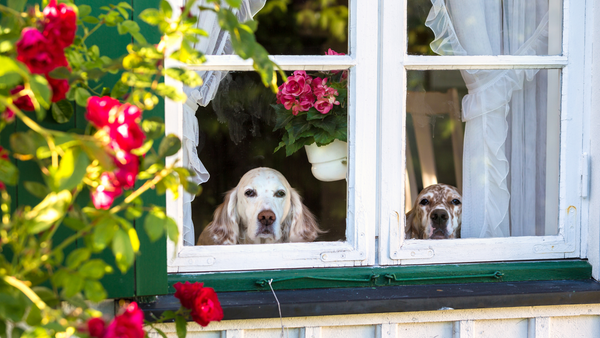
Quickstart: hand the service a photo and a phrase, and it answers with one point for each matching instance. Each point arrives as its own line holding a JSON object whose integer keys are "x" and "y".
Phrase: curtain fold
{"x": 217, "y": 43}
{"x": 503, "y": 110}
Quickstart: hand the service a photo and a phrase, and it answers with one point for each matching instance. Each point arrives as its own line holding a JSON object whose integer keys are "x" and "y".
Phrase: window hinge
{"x": 336, "y": 256}
{"x": 585, "y": 174}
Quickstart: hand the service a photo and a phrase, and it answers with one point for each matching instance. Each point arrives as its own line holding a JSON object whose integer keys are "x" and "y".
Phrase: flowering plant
{"x": 312, "y": 109}
{"x": 46, "y": 65}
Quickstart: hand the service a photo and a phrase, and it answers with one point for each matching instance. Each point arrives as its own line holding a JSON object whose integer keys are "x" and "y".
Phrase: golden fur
{"x": 436, "y": 213}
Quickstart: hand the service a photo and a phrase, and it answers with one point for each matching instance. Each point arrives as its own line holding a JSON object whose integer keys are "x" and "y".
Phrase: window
{"x": 383, "y": 75}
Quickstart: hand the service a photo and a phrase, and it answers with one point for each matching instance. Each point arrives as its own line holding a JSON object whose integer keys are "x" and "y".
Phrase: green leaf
{"x": 154, "y": 127}
{"x": 133, "y": 212}
{"x": 72, "y": 169}
{"x": 82, "y": 96}
{"x": 34, "y": 317}
{"x": 17, "y": 332}
{"x": 9, "y": 173}
{"x": 94, "y": 291}
{"x": 181, "y": 326}
{"x": 78, "y": 256}
{"x": 172, "y": 230}
{"x": 326, "y": 124}
{"x": 74, "y": 223}
{"x": 60, "y": 73}
{"x": 125, "y": 5}
{"x": 46, "y": 295}
{"x": 170, "y": 92}
{"x": 22, "y": 143}
{"x": 234, "y": 3}
{"x": 94, "y": 269}
{"x": 155, "y": 224}
{"x": 144, "y": 149}
{"x": 48, "y": 211}
{"x": 169, "y": 146}
{"x": 59, "y": 278}
{"x": 73, "y": 285}
{"x": 62, "y": 111}
{"x": 84, "y": 10}
{"x": 133, "y": 238}
{"x": 17, "y": 5}
{"x": 36, "y": 189}
{"x": 159, "y": 331}
{"x": 41, "y": 90}
{"x": 10, "y": 72}
{"x": 12, "y": 304}
{"x": 122, "y": 250}
{"x": 151, "y": 16}
{"x": 314, "y": 114}
{"x": 104, "y": 232}
{"x": 189, "y": 77}
{"x": 91, "y": 20}
{"x": 165, "y": 7}
{"x": 4, "y": 334}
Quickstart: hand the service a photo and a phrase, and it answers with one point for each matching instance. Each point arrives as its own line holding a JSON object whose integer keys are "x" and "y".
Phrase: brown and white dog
{"x": 436, "y": 213}
{"x": 262, "y": 208}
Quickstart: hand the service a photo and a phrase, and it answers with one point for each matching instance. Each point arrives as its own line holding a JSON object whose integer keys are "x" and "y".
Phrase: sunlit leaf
{"x": 121, "y": 247}
{"x": 78, "y": 256}
{"x": 48, "y": 211}
{"x": 169, "y": 145}
{"x": 9, "y": 173}
{"x": 62, "y": 111}
{"x": 94, "y": 291}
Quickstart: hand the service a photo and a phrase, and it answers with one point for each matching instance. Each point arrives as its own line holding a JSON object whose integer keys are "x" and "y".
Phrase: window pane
{"x": 237, "y": 135}
{"x": 503, "y": 158}
{"x": 456, "y": 27}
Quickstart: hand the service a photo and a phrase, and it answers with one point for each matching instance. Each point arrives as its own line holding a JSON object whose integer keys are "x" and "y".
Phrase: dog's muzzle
{"x": 266, "y": 218}
{"x": 439, "y": 221}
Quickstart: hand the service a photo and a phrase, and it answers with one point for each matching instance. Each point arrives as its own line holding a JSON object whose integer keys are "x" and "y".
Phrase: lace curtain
{"x": 217, "y": 43}
{"x": 504, "y": 110}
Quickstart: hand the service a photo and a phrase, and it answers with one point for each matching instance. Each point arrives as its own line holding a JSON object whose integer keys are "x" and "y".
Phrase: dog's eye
{"x": 456, "y": 201}
{"x": 279, "y": 193}
{"x": 424, "y": 201}
{"x": 250, "y": 193}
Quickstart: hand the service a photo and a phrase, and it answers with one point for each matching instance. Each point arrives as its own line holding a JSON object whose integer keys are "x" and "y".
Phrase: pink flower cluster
{"x": 301, "y": 92}
{"x": 202, "y": 301}
{"x": 129, "y": 324}
{"x": 43, "y": 51}
{"x": 120, "y": 122}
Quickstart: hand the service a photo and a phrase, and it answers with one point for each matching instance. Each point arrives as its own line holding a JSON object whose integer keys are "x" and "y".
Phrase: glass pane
{"x": 296, "y": 27}
{"x": 237, "y": 135}
{"x": 456, "y": 27}
{"x": 496, "y": 143}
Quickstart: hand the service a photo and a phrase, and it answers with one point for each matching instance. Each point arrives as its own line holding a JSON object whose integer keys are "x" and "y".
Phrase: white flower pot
{"x": 330, "y": 162}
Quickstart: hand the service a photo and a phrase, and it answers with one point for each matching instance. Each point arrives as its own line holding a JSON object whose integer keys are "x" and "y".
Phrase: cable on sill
{"x": 265, "y": 282}
{"x": 392, "y": 277}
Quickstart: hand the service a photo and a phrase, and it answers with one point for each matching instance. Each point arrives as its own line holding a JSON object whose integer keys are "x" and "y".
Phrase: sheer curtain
{"x": 217, "y": 43}
{"x": 504, "y": 111}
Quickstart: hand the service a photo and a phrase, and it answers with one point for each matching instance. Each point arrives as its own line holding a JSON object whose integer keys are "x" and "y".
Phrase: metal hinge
{"x": 584, "y": 166}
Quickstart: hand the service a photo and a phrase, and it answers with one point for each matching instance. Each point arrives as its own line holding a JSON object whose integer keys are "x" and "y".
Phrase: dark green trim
{"x": 382, "y": 276}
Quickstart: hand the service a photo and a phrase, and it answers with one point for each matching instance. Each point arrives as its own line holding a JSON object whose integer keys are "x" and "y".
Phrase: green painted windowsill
{"x": 320, "y": 278}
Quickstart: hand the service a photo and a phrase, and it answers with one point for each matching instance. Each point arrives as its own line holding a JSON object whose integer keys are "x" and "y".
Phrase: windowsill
{"x": 343, "y": 301}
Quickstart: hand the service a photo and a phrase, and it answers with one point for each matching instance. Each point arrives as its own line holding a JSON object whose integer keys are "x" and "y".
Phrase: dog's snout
{"x": 439, "y": 217}
{"x": 266, "y": 217}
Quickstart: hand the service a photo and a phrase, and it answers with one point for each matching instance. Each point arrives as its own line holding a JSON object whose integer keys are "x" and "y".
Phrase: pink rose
{"x": 38, "y": 53}
{"x": 187, "y": 292}
{"x": 288, "y": 101}
{"x": 301, "y": 73}
{"x": 127, "y": 168}
{"x": 128, "y": 324}
{"x": 127, "y": 136}
{"x": 59, "y": 88}
{"x": 332, "y": 52}
{"x": 294, "y": 85}
{"x": 307, "y": 100}
{"x": 109, "y": 189}
{"x": 323, "y": 106}
{"x": 98, "y": 110}
{"x": 23, "y": 102}
{"x": 96, "y": 327}
{"x": 207, "y": 307}
{"x": 318, "y": 86}
{"x": 60, "y": 24}
{"x": 128, "y": 113}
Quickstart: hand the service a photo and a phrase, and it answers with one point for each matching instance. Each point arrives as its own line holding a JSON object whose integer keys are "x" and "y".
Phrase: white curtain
{"x": 504, "y": 111}
{"x": 217, "y": 43}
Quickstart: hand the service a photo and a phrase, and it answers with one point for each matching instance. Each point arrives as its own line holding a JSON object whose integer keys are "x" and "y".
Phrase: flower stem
{"x": 149, "y": 184}
{"x": 26, "y": 290}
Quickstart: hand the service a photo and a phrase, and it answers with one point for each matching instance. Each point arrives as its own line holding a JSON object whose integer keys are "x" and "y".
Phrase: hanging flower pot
{"x": 330, "y": 162}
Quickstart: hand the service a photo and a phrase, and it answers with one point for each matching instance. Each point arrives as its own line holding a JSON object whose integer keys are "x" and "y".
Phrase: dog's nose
{"x": 439, "y": 217}
{"x": 266, "y": 217}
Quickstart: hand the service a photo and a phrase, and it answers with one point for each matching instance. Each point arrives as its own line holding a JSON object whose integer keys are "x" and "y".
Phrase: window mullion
{"x": 485, "y": 62}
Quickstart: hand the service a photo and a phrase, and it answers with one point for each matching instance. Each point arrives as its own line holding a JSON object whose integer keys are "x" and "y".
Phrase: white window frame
{"x": 359, "y": 247}
{"x": 573, "y": 204}
{"x": 378, "y": 62}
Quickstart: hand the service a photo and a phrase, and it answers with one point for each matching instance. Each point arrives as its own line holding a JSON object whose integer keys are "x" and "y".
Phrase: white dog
{"x": 263, "y": 208}
{"x": 436, "y": 213}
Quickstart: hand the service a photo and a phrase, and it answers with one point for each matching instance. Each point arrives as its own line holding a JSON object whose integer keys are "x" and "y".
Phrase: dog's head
{"x": 263, "y": 208}
{"x": 436, "y": 213}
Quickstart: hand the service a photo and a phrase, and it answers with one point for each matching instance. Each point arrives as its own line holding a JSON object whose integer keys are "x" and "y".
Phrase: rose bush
{"x": 46, "y": 66}
{"x": 312, "y": 109}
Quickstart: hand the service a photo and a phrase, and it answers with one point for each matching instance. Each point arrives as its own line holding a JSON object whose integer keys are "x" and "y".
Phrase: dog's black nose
{"x": 439, "y": 217}
{"x": 266, "y": 217}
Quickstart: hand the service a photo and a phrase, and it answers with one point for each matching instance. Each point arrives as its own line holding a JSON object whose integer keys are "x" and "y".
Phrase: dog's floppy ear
{"x": 412, "y": 230}
{"x": 300, "y": 224}
{"x": 224, "y": 228}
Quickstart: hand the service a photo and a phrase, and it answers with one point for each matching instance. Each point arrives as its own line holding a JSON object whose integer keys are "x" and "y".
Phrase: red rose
{"x": 23, "y": 102}
{"x": 127, "y": 325}
{"x": 98, "y": 110}
{"x": 109, "y": 189}
{"x": 60, "y": 24}
{"x": 96, "y": 327}
{"x": 128, "y": 113}
{"x": 207, "y": 307}
{"x": 127, "y": 136}
{"x": 38, "y": 53}
{"x": 186, "y": 293}
{"x": 59, "y": 88}
{"x": 127, "y": 168}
